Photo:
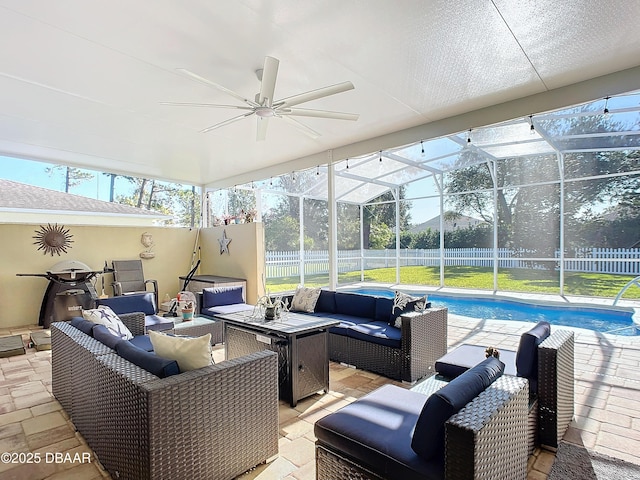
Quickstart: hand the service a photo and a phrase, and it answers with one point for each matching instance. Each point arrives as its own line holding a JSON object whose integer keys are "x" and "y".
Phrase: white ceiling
{"x": 81, "y": 81}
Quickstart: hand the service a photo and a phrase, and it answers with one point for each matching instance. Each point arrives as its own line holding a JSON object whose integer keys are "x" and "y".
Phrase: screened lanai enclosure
{"x": 546, "y": 203}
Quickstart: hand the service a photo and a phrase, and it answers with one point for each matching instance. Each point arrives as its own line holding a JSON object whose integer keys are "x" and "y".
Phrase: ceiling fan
{"x": 264, "y": 106}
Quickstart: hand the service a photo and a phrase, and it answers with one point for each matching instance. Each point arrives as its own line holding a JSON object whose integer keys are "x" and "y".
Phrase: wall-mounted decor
{"x": 224, "y": 243}
{"x": 147, "y": 241}
{"x": 53, "y": 239}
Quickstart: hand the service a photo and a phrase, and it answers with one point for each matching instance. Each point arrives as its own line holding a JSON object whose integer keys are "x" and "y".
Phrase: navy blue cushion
{"x": 152, "y": 363}
{"x": 383, "y": 309}
{"x": 428, "y": 436}
{"x": 215, "y": 296}
{"x": 464, "y": 357}
{"x": 377, "y": 332}
{"x": 83, "y": 325}
{"x": 143, "y": 342}
{"x": 326, "y": 302}
{"x": 104, "y": 335}
{"x": 356, "y": 305}
{"x": 346, "y": 322}
{"x": 376, "y": 430}
{"x": 527, "y": 356}
{"x": 136, "y": 302}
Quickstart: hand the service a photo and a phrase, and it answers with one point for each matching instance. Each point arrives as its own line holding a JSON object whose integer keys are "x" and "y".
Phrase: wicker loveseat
{"x": 213, "y": 422}
{"x": 366, "y": 339}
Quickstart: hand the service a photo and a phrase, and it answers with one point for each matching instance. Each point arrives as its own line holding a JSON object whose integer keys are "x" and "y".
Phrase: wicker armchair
{"x": 214, "y": 422}
{"x": 486, "y": 439}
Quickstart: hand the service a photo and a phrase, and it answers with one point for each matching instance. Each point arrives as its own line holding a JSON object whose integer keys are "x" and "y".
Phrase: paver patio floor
{"x": 607, "y": 414}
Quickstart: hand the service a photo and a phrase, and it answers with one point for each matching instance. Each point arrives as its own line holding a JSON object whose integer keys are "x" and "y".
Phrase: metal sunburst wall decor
{"x": 53, "y": 239}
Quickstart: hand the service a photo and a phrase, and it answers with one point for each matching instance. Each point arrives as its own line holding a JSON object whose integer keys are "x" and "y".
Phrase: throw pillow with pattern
{"x": 403, "y": 303}
{"x": 305, "y": 299}
{"x": 103, "y": 315}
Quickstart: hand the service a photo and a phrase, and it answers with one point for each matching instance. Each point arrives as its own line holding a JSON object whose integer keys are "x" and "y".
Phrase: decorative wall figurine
{"x": 53, "y": 239}
{"x": 224, "y": 243}
{"x": 147, "y": 241}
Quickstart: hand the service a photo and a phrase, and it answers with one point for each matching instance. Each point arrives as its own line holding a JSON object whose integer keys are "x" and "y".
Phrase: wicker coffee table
{"x": 199, "y": 326}
{"x": 301, "y": 342}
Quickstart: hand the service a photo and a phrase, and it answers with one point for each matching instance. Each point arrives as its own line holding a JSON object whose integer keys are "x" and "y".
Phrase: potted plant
{"x": 187, "y": 311}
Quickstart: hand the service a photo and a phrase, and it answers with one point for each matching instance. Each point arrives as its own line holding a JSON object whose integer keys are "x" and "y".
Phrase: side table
{"x": 199, "y": 326}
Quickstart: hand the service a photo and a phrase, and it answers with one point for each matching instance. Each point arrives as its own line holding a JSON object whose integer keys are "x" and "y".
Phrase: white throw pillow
{"x": 305, "y": 299}
{"x": 191, "y": 353}
{"x": 103, "y": 315}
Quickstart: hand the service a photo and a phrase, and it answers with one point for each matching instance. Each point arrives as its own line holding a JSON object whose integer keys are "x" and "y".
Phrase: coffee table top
{"x": 178, "y": 323}
{"x": 288, "y": 323}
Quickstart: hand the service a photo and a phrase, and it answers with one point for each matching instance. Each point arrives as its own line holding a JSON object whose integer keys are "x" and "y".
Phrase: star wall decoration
{"x": 224, "y": 243}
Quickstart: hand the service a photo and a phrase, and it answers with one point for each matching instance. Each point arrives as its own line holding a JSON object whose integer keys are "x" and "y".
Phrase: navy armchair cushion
{"x": 104, "y": 335}
{"x": 428, "y": 436}
{"x": 85, "y": 326}
{"x": 356, "y": 305}
{"x": 326, "y": 302}
{"x": 383, "y": 309}
{"x": 136, "y": 302}
{"x": 527, "y": 356}
{"x": 152, "y": 363}
{"x": 217, "y": 296}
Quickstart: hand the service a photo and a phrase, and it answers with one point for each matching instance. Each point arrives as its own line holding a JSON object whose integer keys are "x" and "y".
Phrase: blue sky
{"x": 34, "y": 173}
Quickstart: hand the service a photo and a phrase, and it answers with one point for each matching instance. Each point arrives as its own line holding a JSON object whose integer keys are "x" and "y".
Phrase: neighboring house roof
{"x": 15, "y": 196}
{"x": 462, "y": 221}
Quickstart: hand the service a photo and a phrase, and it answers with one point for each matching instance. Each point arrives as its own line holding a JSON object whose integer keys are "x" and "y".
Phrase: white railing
{"x": 592, "y": 260}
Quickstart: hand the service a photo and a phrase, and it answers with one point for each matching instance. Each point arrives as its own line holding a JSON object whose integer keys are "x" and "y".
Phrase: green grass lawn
{"x": 514, "y": 280}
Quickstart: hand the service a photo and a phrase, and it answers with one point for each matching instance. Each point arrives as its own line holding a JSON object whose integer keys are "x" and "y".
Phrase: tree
{"x": 72, "y": 176}
{"x": 528, "y": 217}
{"x": 382, "y": 210}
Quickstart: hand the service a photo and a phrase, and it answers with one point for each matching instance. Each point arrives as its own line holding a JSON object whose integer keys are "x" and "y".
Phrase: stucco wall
{"x": 244, "y": 260}
{"x": 21, "y": 297}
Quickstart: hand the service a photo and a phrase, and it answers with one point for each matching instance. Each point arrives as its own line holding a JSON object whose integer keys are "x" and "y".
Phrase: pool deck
{"x": 607, "y": 411}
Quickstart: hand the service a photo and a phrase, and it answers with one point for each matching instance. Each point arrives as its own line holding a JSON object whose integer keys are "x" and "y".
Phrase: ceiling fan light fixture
{"x": 264, "y": 105}
{"x": 265, "y": 112}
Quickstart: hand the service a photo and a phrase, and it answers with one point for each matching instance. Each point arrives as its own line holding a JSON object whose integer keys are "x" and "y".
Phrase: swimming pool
{"x": 617, "y": 321}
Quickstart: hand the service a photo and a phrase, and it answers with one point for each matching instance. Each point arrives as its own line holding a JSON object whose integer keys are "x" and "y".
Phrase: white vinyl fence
{"x": 593, "y": 260}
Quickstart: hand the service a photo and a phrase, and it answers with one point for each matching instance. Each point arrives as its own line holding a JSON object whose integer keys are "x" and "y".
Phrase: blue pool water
{"x": 598, "y": 319}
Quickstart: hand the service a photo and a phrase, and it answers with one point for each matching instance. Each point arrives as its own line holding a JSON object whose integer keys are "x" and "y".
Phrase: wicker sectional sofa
{"x": 213, "y": 422}
{"x": 366, "y": 339}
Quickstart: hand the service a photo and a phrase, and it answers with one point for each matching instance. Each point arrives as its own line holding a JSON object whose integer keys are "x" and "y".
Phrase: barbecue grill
{"x": 69, "y": 291}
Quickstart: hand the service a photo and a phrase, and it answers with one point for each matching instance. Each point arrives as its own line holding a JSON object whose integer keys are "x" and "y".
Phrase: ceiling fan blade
{"x": 212, "y": 105}
{"x": 302, "y": 127}
{"x": 227, "y": 122}
{"x": 261, "y": 132}
{"x": 268, "y": 81}
{"x": 314, "y": 94}
{"x": 200, "y": 79}
{"x": 306, "y": 112}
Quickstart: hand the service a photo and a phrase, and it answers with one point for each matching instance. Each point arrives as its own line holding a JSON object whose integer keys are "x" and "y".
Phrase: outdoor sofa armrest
{"x": 424, "y": 340}
{"x": 134, "y": 321}
{"x": 556, "y": 380}
{"x": 223, "y": 418}
{"x": 488, "y": 437}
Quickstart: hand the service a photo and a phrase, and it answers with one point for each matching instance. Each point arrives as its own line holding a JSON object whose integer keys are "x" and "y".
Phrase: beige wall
{"x": 244, "y": 260}
{"x": 21, "y": 297}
